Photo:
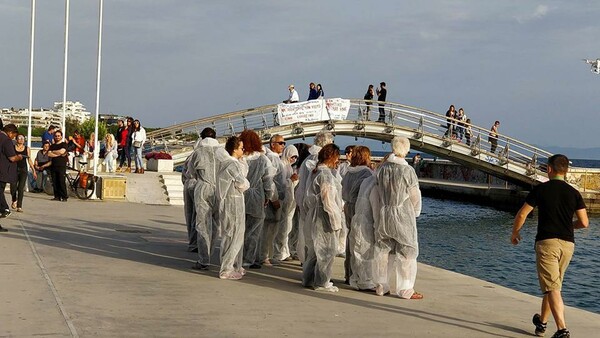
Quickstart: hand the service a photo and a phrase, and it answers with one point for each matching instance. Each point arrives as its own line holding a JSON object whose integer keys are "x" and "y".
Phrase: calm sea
{"x": 475, "y": 240}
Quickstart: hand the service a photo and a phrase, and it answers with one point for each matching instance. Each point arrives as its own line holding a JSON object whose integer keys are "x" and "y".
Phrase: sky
{"x": 172, "y": 61}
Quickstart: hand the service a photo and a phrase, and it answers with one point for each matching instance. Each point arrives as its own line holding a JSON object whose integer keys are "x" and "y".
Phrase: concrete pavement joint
{"x": 50, "y": 285}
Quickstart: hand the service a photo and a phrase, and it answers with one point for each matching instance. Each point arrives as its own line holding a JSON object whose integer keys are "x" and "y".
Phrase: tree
{"x": 87, "y": 128}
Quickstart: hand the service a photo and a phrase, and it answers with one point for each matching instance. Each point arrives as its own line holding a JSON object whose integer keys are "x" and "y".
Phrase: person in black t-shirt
{"x": 8, "y": 166}
{"x": 557, "y": 202}
{"x": 58, "y": 154}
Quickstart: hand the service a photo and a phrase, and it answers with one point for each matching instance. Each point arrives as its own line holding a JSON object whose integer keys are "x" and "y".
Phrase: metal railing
{"x": 426, "y": 126}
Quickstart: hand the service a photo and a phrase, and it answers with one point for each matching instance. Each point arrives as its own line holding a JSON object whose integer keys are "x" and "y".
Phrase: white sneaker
{"x": 327, "y": 288}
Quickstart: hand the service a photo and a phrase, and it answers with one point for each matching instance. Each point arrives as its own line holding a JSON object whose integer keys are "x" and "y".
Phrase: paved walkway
{"x": 113, "y": 269}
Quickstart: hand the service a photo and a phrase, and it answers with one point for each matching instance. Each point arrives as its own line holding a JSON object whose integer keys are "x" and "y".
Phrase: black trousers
{"x": 58, "y": 182}
{"x": 3, "y": 204}
{"x": 381, "y": 112}
{"x": 18, "y": 188}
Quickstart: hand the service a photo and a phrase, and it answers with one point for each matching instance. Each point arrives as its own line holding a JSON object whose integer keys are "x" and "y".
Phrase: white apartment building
{"x": 45, "y": 117}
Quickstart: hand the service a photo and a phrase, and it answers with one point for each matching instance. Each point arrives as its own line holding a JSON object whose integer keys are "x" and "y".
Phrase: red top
{"x": 124, "y": 135}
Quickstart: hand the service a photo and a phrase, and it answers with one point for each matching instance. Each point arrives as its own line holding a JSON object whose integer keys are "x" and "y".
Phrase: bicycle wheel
{"x": 84, "y": 193}
{"x": 47, "y": 186}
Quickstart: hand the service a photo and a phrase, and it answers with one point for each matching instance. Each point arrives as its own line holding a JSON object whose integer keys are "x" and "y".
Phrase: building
{"x": 43, "y": 118}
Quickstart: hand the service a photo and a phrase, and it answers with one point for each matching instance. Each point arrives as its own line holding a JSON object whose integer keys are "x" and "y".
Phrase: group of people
{"x": 265, "y": 204}
{"x": 458, "y": 126}
{"x": 130, "y": 138}
{"x": 381, "y": 92}
{"x": 315, "y": 91}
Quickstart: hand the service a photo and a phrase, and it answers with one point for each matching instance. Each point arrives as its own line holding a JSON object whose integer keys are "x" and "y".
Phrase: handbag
{"x": 137, "y": 144}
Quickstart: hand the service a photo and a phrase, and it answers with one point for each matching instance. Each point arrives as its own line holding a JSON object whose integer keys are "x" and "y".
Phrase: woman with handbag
{"x": 138, "y": 138}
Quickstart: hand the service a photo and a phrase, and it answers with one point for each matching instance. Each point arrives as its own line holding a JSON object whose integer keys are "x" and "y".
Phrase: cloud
{"x": 538, "y": 13}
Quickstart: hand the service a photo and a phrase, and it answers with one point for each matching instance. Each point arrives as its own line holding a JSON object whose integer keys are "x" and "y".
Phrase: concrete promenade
{"x": 118, "y": 269}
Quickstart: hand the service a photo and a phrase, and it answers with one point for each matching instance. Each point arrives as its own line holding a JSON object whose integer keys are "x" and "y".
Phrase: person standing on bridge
{"x": 381, "y": 96}
{"x": 368, "y": 97}
{"x": 312, "y": 92}
{"x": 293, "y": 98}
{"x": 557, "y": 202}
{"x": 493, "y": 136}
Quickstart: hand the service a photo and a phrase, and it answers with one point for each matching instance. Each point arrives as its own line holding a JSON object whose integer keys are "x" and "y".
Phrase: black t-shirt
{"x": 557, "y": 202}
{"x": 60, "y": 161}
{"x": 382, "y": 94}
{"x": 8, "y": 169}
{"x": 22, "y": 164}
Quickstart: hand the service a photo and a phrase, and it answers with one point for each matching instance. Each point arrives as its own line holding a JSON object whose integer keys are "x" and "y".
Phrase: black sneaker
{"x": 563, "y": 333}
{"x": 3, "y": 229}
{"x": 5, "y": 214}
{"x": 198, "y": 266}
{"x": 540, "y": 328}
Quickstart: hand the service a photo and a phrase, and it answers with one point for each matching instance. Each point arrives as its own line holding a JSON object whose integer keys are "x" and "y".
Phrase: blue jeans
{"x": 139, "y": 164}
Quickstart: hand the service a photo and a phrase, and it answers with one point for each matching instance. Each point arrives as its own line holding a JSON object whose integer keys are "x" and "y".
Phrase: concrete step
{"x": 173, "y": 187}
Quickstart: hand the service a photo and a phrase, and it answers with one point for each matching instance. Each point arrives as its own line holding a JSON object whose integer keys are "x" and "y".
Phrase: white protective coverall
{"x": 304, "y": 176}
{"x": 260, "y": 175}
{"x": 288, "y": 205}
{"x": 361, "y": 238}
{"x": 323, "y": 206}
{"x": 272, "y": 216}
{"x": 396, "y": 227}
{"x": 188, "y": 178}
{"x": 350, "y": 186}
{"x": 208, "y": 156}
{"x": 231, "y": 184}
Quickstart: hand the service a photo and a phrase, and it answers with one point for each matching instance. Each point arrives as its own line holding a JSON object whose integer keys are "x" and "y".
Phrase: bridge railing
{"x": 264, "y": 120}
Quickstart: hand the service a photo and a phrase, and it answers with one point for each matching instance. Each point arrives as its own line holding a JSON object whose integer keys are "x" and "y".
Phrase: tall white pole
{"x": 99, "y": 64}
{"x": 65, "y": 67}
{"x": 31, "y": 71}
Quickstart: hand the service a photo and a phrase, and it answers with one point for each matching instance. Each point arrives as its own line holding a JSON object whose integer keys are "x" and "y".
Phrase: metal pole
{"x": 98, "y": 67}
{"x": 31, "y": 50}
{"x": 65, "y": 67}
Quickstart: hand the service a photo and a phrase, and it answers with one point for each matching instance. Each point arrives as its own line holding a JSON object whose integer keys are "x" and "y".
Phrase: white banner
{"x": 312, "y": 111}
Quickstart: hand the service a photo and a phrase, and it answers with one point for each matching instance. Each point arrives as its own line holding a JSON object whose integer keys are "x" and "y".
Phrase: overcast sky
{"x": 172, "y": 61}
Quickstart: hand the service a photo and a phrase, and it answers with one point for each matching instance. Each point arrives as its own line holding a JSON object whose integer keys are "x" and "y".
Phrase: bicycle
{"x": 82, "y": 184}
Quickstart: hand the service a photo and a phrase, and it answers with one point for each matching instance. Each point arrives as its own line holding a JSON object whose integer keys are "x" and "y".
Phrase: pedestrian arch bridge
{"x": 514, "y": 161}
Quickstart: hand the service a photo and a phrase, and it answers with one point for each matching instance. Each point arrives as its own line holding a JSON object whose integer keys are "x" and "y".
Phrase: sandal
{"x": 14, "y": 205}
{"x": 416, "y": 295}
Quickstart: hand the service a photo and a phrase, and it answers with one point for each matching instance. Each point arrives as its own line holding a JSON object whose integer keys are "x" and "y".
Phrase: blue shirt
{"x": 47, "y": 137}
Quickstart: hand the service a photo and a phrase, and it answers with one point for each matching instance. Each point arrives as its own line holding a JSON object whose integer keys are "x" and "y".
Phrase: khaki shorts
{"x": 552, "y": 259}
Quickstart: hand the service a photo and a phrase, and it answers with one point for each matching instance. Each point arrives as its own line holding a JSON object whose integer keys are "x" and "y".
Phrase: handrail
{"x": 423, "y": 123}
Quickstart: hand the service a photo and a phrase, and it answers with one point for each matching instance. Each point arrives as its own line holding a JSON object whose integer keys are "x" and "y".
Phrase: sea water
{"x": 475, "y": 240}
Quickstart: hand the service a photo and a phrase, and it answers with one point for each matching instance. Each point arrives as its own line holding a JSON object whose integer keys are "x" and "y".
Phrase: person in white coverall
{"x": 188, "y": 178}
{"x": 361, "y": 238}
{"x": 359, "y": 170}
{"x": 304, "y": 178}
{"x": 207, "y": 158}
{"x": 231, "y": 184}
{"x": 273, "y": 208}
{"x": 288, "y": 204}
{"x": 396, "y": 225}
{"x": 323, "y": 206}
{"x": 260, "y": 175}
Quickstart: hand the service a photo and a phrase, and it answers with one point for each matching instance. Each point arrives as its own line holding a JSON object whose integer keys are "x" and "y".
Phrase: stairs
{"x": 173, "y": 187}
